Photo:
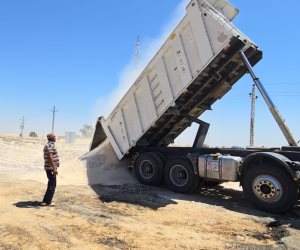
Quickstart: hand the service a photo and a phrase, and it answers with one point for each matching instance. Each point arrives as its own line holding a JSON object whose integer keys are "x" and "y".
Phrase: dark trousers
{"x": 51, "y": 187}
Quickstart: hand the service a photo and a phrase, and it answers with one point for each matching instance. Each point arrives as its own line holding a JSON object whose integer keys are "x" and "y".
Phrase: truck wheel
{"x": 148, "y": 169}
{"x": 270, "y": 189}
{"x": 180, "y": 177}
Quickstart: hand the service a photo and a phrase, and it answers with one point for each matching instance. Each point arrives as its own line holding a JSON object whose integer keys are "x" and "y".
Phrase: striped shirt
{"x": 50, "y": 148}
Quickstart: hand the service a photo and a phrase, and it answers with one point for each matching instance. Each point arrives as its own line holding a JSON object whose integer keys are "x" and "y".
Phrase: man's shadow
{"x": 28, "y": 204}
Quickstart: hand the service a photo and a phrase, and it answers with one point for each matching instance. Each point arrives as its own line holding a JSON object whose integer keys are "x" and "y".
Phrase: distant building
{"x": 70, "y": 137}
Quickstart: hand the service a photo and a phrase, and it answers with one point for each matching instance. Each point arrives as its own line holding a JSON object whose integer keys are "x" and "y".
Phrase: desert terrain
{"x": 100, "y": 205}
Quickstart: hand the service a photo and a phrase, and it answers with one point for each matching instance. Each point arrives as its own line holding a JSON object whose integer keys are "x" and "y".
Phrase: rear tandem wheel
{"x": 180, "y": 177}
{"x": 148, "y": 168}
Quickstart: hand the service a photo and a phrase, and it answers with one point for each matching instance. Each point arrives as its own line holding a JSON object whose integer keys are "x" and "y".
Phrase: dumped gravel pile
{"x": 103, "y": 167}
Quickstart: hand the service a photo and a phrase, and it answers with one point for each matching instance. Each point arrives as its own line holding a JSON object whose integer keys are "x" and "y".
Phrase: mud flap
{"x": 99, "y": 135}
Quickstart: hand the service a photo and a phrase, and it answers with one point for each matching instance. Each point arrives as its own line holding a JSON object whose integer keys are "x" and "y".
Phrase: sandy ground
{"x": 101, "y": 206}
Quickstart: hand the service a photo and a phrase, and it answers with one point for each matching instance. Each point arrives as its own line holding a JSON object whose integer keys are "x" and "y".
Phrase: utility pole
{"x": 137, "y": 50}
{"x": 53, "y": 117}
{"x": 22, "y": 126}
{"x": 253, "y": 99}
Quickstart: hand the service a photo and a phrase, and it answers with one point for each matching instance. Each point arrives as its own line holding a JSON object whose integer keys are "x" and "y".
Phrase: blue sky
{"x": 78, "y": 54}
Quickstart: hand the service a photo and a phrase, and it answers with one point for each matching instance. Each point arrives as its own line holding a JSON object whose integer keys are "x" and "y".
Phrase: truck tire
{"x": 270, "y": 189}
{"x": 148, "y": 168}
{"x": 180, "y": 177}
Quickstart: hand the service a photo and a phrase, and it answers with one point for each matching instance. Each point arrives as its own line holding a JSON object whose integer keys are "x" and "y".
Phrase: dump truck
{"x": 200, "y": 61}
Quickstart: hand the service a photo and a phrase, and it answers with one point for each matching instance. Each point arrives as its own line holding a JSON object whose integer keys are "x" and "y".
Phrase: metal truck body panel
{"x": 196, "y": 65}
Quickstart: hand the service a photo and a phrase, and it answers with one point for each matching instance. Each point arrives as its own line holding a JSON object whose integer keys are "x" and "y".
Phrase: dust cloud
{"x": 103, "y": 167}
{"x": 135, "y": 66}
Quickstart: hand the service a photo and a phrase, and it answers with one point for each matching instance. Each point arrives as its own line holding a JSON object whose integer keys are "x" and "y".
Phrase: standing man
{"x": 51, "y": 164}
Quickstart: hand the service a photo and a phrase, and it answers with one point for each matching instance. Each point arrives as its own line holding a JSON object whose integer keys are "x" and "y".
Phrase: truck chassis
{"x": 269, "y": 177}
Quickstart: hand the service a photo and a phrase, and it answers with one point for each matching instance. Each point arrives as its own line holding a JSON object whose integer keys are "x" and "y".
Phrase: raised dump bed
{"x": 197, "y": 65}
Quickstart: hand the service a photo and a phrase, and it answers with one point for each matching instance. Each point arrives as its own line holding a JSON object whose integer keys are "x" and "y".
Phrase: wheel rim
{"x": 179, "y": 176}
{"x": 267, "y": 188}
{"x": 146, "y": 169}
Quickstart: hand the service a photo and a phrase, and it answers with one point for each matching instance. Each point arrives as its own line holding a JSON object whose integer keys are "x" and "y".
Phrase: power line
{"x": 286, "y": 83}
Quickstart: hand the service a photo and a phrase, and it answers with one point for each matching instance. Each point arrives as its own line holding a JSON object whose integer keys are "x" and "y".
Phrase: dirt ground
{"x": 99, "y": 205}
